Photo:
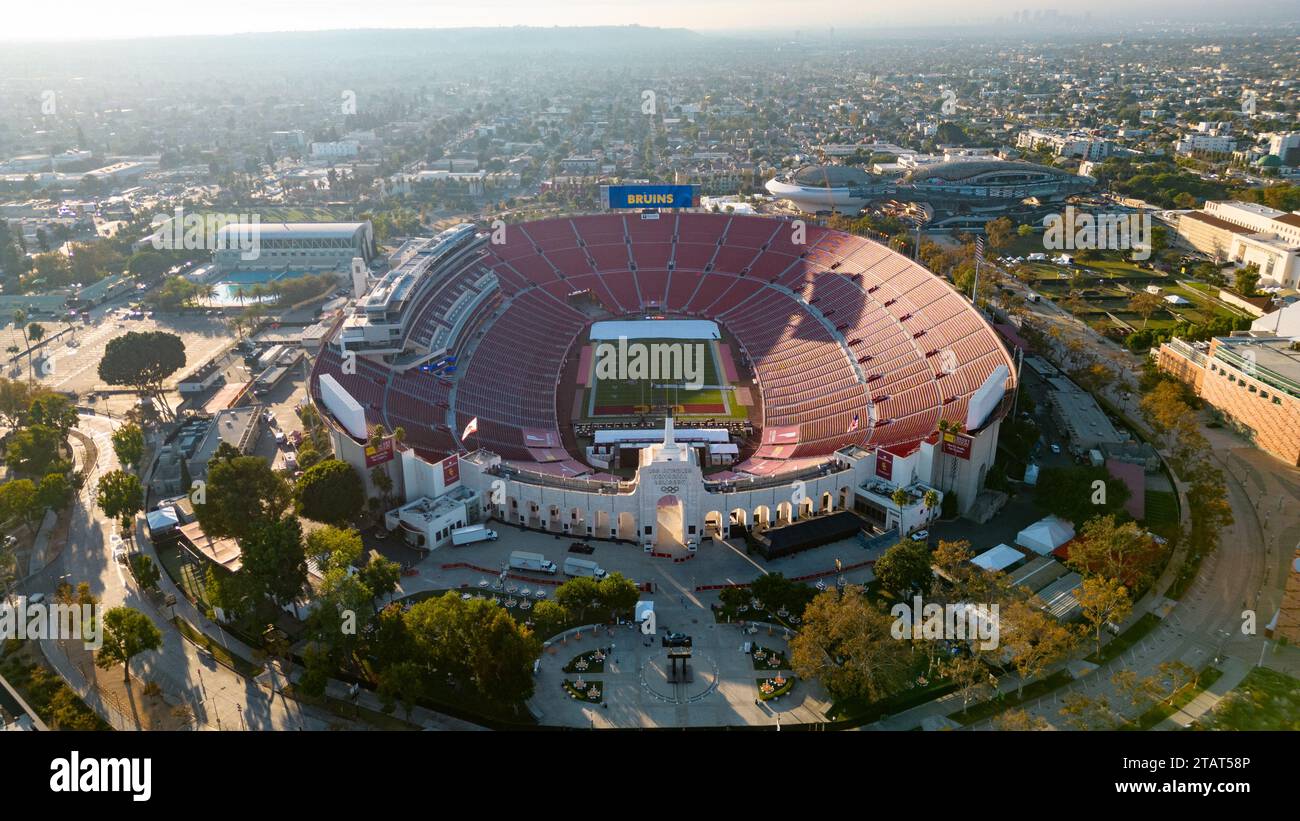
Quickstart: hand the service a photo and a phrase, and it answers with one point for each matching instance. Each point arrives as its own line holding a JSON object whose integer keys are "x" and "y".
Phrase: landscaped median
{"x": 593, "y": 661}
{"x": 1005, "y": 701}
{"x": 775, "y": 687}
{"x": 192, "y": 634}
{"x": 1157, "y": 713}
{"x": 767, "y": 659}
{"x": 590, "y": 691}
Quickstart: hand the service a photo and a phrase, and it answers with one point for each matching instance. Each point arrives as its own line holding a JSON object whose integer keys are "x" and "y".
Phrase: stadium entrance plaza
{"x": 636, "y": 691}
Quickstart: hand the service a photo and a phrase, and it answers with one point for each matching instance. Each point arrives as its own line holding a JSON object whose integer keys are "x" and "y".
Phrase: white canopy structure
{"x": 1045, "y": 535}
{"x": 998, "y": 558}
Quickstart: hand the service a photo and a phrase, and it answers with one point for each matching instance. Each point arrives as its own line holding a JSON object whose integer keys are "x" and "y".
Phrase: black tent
{"x": 807, "y": 534}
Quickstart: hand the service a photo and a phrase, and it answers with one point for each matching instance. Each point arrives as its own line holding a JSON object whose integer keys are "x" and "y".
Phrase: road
{"x": 221, "y": 698}
{"x": 1245, "y": 572}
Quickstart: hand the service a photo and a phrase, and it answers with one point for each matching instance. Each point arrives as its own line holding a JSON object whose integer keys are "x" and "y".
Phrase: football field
{"x": 654, "y": 373}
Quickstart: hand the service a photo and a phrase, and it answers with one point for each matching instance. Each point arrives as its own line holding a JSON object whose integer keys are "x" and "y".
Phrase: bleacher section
{"x": 864, "y": 347}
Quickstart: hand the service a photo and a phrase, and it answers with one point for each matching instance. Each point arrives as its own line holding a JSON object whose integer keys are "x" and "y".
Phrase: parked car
{"x": 676, "y": 640}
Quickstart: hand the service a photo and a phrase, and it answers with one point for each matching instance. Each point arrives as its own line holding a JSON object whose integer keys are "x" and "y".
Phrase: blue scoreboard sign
{"x": 650, "y": 196}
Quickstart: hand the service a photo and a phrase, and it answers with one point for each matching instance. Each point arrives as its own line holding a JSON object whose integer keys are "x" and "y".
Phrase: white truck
{"x": 583, "y": 567}
{"x": 473, "y": 533}
{"x": 522, "y": 560}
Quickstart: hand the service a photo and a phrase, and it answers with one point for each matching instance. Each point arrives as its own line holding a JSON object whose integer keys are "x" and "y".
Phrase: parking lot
{"x": 73, "y": 358}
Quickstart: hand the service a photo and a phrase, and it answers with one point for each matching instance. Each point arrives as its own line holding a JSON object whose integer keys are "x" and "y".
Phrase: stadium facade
{"x": 969, "y": 185}
{"x": 856, "y": 355}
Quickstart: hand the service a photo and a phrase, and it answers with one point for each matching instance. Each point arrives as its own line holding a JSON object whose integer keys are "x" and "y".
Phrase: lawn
{"x": 1034, "y": 689}
{"x": 762, "y": 659}
{"x": 1159, "y": 712}
{"x": 768, "y": 688}
{"x": 195, "y": 636}
{"x": 1265, "y": 700}
{"x": 591, "y": 691}
{"x": 1161, "y": 507}
{"x": 595, "y": 662}
{"x": 627, "y": 397}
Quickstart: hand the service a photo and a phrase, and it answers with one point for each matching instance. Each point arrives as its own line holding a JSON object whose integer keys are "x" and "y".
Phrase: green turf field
{"x": 619, "y": 388}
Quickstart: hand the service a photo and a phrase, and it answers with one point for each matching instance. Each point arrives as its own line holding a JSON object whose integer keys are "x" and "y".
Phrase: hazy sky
{"x": 94, "y": 19}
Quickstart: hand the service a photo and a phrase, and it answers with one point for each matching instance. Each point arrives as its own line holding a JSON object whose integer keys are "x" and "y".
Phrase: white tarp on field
{"x": 655, "y": 329}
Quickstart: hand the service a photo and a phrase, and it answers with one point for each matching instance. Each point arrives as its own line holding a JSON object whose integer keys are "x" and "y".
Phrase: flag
{"x": 854, "y": 424}
{"x": 979, "y": 250}
{"x": 472, "y": 427}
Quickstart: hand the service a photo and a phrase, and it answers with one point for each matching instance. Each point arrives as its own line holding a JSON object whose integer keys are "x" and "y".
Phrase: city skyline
{"x": 78, "y": 20}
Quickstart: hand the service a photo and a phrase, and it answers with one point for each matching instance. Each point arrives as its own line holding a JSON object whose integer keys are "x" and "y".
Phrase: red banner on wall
{"x": 885, "y": 465}
{"x": 955, "y": 444}
{"x": 378, "y": 454}
{"x": 450, "y": 470}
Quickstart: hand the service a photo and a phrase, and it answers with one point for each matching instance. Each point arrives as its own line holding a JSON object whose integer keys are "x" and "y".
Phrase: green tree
{"x": 1246, "y": 279}
{"x": 120, "y": 495}
{"x": 18, "y": 499}
{"x": 241, "y": 494}
{"x": 142, "y": 361}
{"x": 1078, "y": 493}
{"x": 53, "y": 410}
{"x": 580, "y": 597}
{"x": 477, "y": 642}
{"x": 330, "y": 491}
{"x": 34, "y": 451}
{"x": 127, "y": 634}
{"x": 334, "y": 547}
{"x": 549, "y": 618}
{"x": 146, "y": 572}
{"x": 900, "y": 498}
{"x": 904, "y": 569}
{"x": 53, "y": 492}
{"x": 128, "y": 444}
{"x": 15, "y": 399}
{"x": 274, "y": 561}
{"x": 617, "y": 593}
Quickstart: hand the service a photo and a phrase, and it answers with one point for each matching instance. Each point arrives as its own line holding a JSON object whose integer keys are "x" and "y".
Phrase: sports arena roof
{"x": 296, "y": 230}
{"x": 965, "y": 169}
{"x": 830, "y": 176}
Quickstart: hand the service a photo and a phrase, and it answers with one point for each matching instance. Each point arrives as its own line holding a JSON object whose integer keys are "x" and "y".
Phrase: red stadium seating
{"x": 869, "y": 334}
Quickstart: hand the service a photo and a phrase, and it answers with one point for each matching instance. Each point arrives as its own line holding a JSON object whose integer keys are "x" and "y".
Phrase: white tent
{"x": 1045, "y": 535}
{"x": 162, "y": 520}
{"x": 998, "y": 558}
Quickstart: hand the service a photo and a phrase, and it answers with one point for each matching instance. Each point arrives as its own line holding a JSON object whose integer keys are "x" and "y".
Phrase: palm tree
{"x": 35, "y": 332}
{"x": 20, "y": 323}
{"x": 899, "y": 497}
{"x": 945, "y": 427}
{"x": 931, "y": 501}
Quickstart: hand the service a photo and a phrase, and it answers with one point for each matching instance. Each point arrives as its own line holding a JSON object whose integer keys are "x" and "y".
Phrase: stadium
{"x": 663, "y": 378}
{"x": 958, "y": 185}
